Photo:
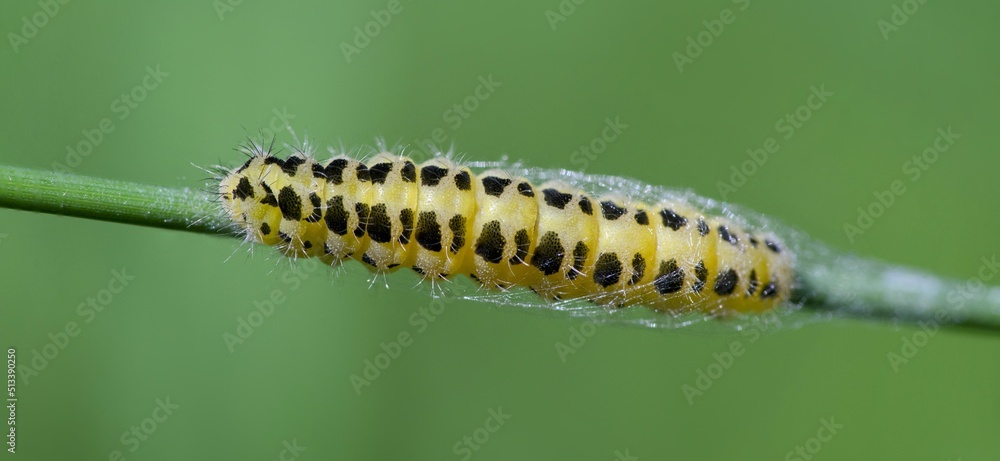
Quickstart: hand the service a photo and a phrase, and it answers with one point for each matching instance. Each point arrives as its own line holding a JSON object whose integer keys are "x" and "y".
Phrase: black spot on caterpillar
{"x": 463, "y": 181}
{"x": 243, "y": 190}
{"x": 429, "y": 231}
{"x": 457, "y": 226}
{"x": 608, "y": 269}
{"x": 495, "y": 186}
{"x": 670, "y": 279}
{"x": 335, "y": 171}
{"x": 585, "y": 206}
{"x": 727, "y": 236}
{"x": 406, "y": 219}
{"x": 289, "y": 204}
{"x": 409, "y": 172}
{"x": 491, "y": 242}
{"x": 611, "y": 211}
{"x": 379, "y": 172}
{"x": 549, "y": 254}
{"x": 642, "y": 218}
{"x": 556, "y": 199}
{"x": 431, "y": 175}
{"x": 525, "y": 189}
{"x": 726, "y": 282}
{"x": 673, "y": 220}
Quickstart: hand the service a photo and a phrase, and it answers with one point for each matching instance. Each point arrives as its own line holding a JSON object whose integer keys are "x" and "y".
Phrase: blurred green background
{"x": 563, "y": 69}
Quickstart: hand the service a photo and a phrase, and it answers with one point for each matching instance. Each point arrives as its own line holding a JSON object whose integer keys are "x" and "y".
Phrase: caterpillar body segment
{"x": 504, "y": 230}
{"x": 626, "y": 245}
{"x": 562, "y": 237}
{"x": 385, "y": 211}
{"x": 446, "y": 197}
{"x": 564, "y": 268}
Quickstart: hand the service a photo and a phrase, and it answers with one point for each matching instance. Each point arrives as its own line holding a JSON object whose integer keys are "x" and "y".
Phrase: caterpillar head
{"x": 246, "y": 195}
{"x": 268, "y": 197}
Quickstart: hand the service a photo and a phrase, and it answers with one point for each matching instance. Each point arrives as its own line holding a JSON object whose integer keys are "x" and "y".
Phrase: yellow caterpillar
{"x": 442, "y": 220}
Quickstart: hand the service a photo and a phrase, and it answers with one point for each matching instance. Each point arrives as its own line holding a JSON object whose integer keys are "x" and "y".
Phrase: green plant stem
{"x": 110, "y": 200}
{"x": 852, "y": 285}
{"x": 828, "y": 280}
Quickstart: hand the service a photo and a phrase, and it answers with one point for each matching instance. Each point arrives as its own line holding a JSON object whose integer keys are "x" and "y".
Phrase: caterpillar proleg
{"x": 564, "y": 235}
